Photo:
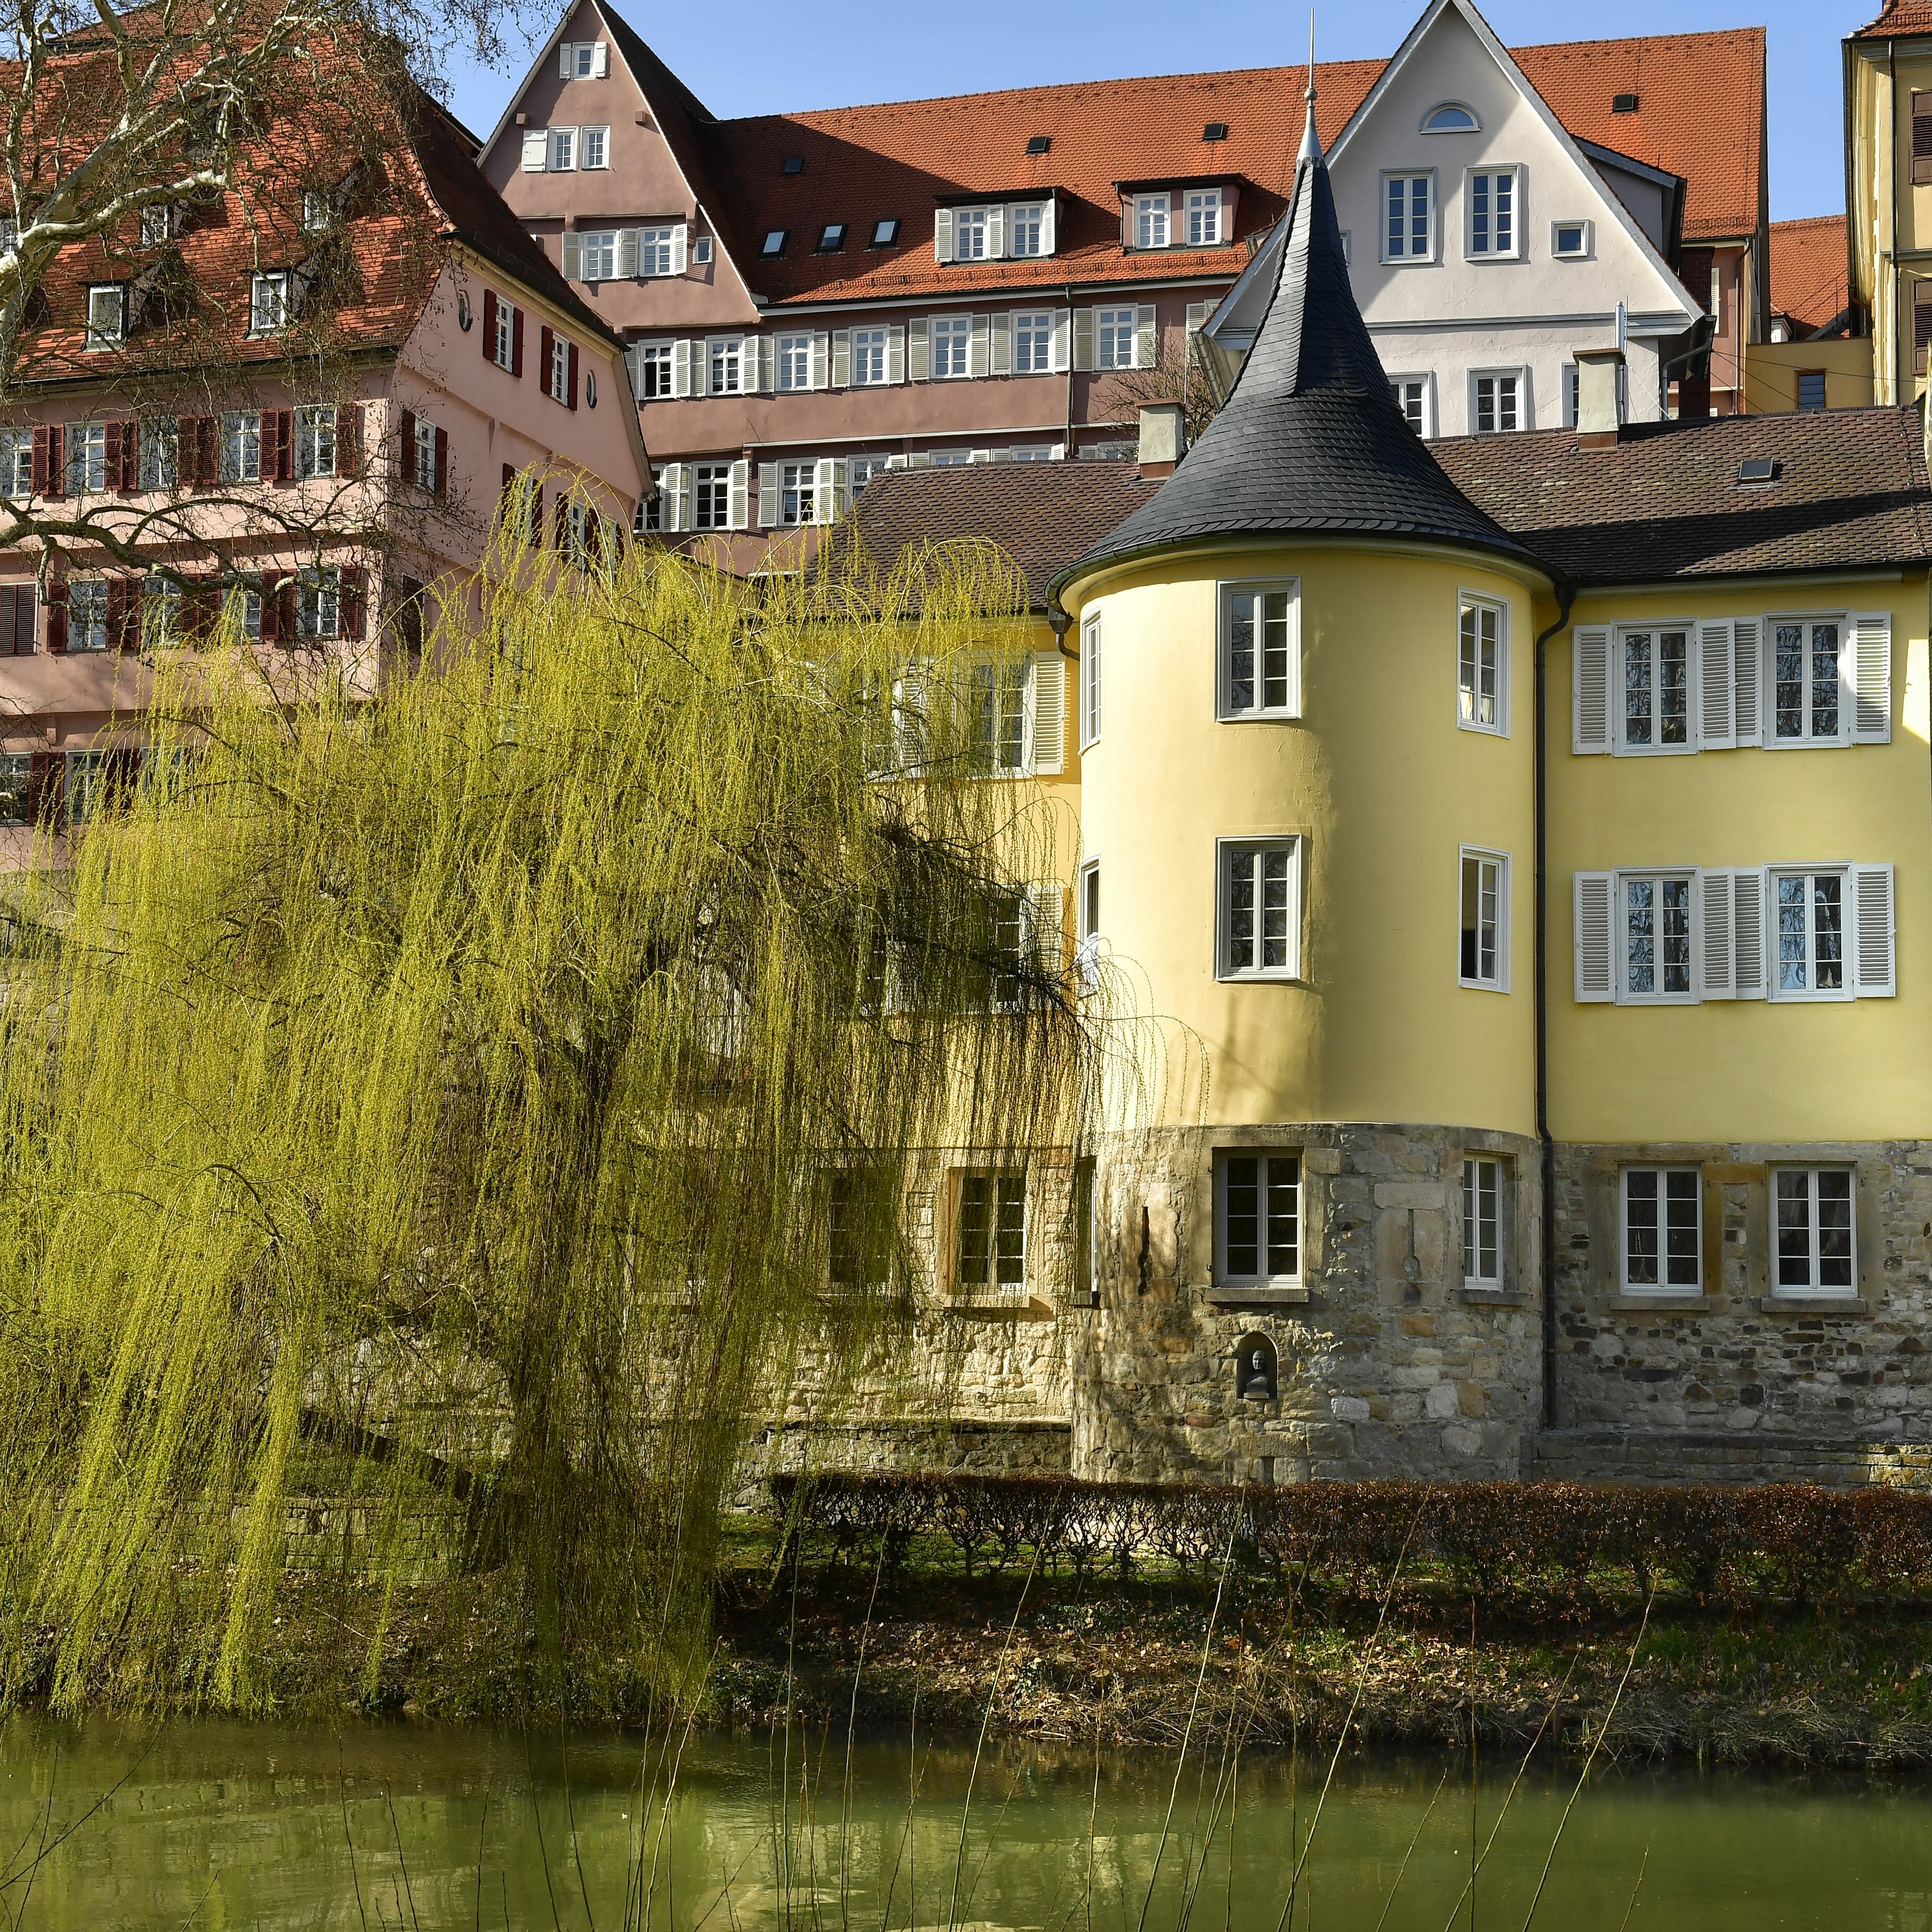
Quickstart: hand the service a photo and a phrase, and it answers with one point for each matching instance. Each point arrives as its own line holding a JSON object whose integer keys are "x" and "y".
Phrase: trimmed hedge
{"x": 1485, "y": 1541}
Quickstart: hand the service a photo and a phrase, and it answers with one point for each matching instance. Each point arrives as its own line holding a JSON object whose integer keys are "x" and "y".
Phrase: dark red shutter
{"x": 545, "y": 339}
{"x": 42, "y": 435}
{"x": 122, "y": 595}
{"x": 45, "y": 772}
{"x": 509, "y": 484}
{"x": 348, "y": 439}
{"x": 130, "y": 457}
{"x": 196, "y": 608}
{"x": 57, "y": 616}
{"x": 16, "y": 620}
{"x": 536, "y": 514}
{"x": 271, "y": 608}
{"x": 560, "y": 519}
{"x": 285, "y": 446}
{"x": 113, "y": 474}
{"x": 517, "y": 343}
{"x": 121, "y": 776}
{"x": 195, "y": 441}
{"x": 489, "y": 325}
{"x": 441, "y": 462}
{"x": 405, "y": 460}
{"x": 573, "y": 375}
{"x": 350, "y": 621}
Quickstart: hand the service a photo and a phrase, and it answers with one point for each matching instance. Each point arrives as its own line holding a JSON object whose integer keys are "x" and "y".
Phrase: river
{"x": 224, "y": 1824}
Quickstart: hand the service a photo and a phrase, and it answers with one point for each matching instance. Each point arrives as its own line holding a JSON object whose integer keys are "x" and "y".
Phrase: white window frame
{"x": 1572, "y": 379}
{"x": 1262, "y": 1276}
{"x": 1154, "y": 220}
{"x": 657, "y": 250}
{"x": 1109, "y": 329}
{"x": 1847, "y": 671}
{"x": 788, "y": 350}
{"x": 1468, "y": 664}
{"x": 1483, "y": 857}
{"x": 996, "y": 1180}
{"x": 660, "y": 357}
{"x": 1520, "y": 377}
{"x": 314, "y": 453}
{"x": 242, "y": 435}
{"x": 160, "y": 453}
{"x": 1811, "y": 994}
{"x": 958, "y": 334}
{"x": 593, "y": 141}
{"x": 1087, "y": 901}
{"x": 716, "y": 478}
{"x": 797, "y": 486}
{"x": 1491, "y": 172}
{"x": 271, "y": 294}
{"x": 1812, "y": 1286}
{"x": 503, "y": 350}
{"x": 597, "y": 256}
{"x": 1620, "y": 935}
{"x": 1425, "y": 383}
{"x": 1409, "y": 258}
{"x": 734, "y": 348}
{"x": 106, "y": 314}
{"x": 1205, "y": 203}
{"x": 1475, "y": 125}
{"x": 1091, "y": 687}
{"x": 86, "y": 458}
{"x": 89, "y": 633}
{"x": 1663, "y": 1287}
{"x": 1473, "y": 1273}
{"x": 556, "y": 377}
{"x": 1228, "y": 594}
{"x": 560, "y": 150}
{"x": 1230, "y": 854}
{"x": 866, "y": 342}
{"x": 1583, "y": 253}
{"x": 1039, "y": 341}
{"x": 1620, "y": 635}
{"x": 1028, "y": 220}
{"x": 976, "y": 224}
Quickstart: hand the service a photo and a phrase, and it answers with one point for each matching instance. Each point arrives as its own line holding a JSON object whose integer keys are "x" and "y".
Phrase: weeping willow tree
{"x": 466, "y": 1095}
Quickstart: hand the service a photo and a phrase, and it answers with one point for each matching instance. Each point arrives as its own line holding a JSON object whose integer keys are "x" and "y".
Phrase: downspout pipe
{"x": 1891, "y": 239}
{"x": 1566, "y": 596}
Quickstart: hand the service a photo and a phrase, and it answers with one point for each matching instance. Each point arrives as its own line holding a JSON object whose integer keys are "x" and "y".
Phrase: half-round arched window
{"x": 1450, "y": 117}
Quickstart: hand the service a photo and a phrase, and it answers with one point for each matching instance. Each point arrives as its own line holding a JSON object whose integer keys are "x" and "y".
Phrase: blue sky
{"x": 763, "y": 59}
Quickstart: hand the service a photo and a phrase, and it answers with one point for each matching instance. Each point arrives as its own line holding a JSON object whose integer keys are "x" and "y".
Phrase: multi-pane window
{"x": 655, "y": 247}
{"x": 1810, "y": 389}
{"x": 1482, "y": 1222}
{"x": 1656, "y": 927}
{"x": 996, "y": 694}
{"x": 1090, "y": 682}
{"x": 315, "y": 440}
{"x": 1407, "y": 211}
{"x": 1260, "y": 650}
{"x": 1806, "y": 695}
{"x": 1204, "y": 218}
{"x": 84, "y": 786}
{"x": 1411, "y": 398}
{"x": 581, "y": 60}
{"x": 1812, "y": 1228}
{"x": 562, "y": 148}
{"x": 318, "y": 604}
{"x": 318, "y": 210}
{"x": 651, "y": 370}
{"x": 1258, "y": 1218}
{"x": 1260, "y": 914}
{"x": 161, "y": 611}
{"x": 952, "y": 340}
{"x": 1657, "y": 687}
{"x": 1150, "y": 220}
{"x": 868, "y": 357}
{"x": 16, "y": 786}
{"x": 1114, "y": 338}
{"x": 268, "y": 304}
{"x": 1485, "y": 936}
{"x": 106, "y": 316}
{"x": 503, "y": 350}
{"x": 1493, "y": 213}
{"x": 1032, "y": 342}
{"x": 241, "y": 446}
{"x": 1025, "y": 228}
{"x": 727, "y": 364}
{"x": 160, "y": 453}
{"x": 593, "y": 146}
{"x": 794, "y": 362}
{"x": 1662, "y": 1242}
{"x": 1497, "y": 399}
{"x": 859, "y": 470}
{"x": 422, "y": 456}
{"x": 858, "y": 1228}
{"x": 969, "y": 234}
{"x": 559, "y": 371}
{"x": 159, "y": 224}
{"x": 600, "y": 254}
{"x": 1480, "y": 664}
{"x": 1809, "y": 908}
{"x": 711, "y": 496}
{"x": 795, "y": 492}
{"x": 991, "y": 1252}
{"x": 16, "y": 462}
{"x": 86, "y": 458}
{"x": 87, "y": 614}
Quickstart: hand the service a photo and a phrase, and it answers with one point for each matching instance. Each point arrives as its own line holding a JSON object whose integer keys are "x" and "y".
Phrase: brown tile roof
{"x": 1700, "y": 114}
{"x": 1901, "y": 18}
{"x": 1667, "y": 501}
{"x": 1809, "y": 270}
{"x": 1043, "y": 515}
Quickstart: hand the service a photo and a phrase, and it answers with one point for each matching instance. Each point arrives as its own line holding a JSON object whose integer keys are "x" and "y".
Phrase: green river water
{"x": 222, "y": 1825}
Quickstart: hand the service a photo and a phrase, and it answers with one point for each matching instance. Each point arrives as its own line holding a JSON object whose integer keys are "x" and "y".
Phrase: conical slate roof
{"x": 1311, "y": 439}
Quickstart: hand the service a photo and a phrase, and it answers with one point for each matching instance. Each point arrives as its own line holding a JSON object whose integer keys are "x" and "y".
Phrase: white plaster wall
{"x": 1452, "y": 355}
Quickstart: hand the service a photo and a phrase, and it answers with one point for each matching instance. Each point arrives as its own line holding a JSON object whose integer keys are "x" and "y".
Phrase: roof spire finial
{"x": 1311, "y": 141}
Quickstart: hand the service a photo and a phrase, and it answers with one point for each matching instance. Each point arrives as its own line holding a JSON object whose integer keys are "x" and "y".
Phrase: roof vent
{"x": 794, "y": 164}
{"x": 1623, "y": 103}
{"x": 1039, "y": 144}
{"x": 1759, "y": 470}
{"x": 1215, "y": 131}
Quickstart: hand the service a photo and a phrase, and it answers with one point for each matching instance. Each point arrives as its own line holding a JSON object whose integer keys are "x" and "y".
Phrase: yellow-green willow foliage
{"x": 462, "y": 1098}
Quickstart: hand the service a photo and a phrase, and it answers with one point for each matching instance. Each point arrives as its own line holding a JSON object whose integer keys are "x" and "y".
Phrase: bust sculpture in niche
{"x": 1255, "y": 1368}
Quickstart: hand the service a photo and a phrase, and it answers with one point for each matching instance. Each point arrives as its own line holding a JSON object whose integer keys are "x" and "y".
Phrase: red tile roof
{"x": 1700, "y": 114}
{"x": 1809, "y": 271}
{"x": 1903, "y": 17}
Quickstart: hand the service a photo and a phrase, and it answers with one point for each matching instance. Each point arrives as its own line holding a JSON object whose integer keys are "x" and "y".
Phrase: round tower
{"x": 1308, "y": 790}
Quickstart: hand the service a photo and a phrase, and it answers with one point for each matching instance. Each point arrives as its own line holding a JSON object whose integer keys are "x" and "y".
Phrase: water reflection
{"x": 224, "y": 1825}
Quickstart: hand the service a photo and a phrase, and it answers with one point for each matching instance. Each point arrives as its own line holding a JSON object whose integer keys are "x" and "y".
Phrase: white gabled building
{"x": 1486, "y": 245}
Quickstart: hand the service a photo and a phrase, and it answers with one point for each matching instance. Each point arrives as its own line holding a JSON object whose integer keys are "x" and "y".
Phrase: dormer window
{"x": 832, "y": 238}
{"x": 268, "y": 304}
{"x": 969, "y": 234}
{"x": 1450, "y": 117}
{"x": 1025, "y": 223}
{"x": 1015, "y": 231}
{"x": 1151, "y": 215}
{"x": 107, "y": 315}
{"x": 774, "y": 242}
{"x": 317, "y": 212}
{"x": 886, "y": 233}
{"x": 159, "y": 225}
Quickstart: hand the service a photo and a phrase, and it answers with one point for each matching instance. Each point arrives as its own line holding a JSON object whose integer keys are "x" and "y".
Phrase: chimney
{"x": 1163, "y": 438}
{"x": 1600, "y": 388}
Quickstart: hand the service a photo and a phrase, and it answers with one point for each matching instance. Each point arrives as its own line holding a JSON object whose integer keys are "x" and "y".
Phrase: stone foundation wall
{"x": 1692, "y": 1456}
{"x": 1737, "y": 1361}
{"x": 1387, "y": 1365}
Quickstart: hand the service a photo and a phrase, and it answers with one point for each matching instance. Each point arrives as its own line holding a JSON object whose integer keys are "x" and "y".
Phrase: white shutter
{"x": 996, "y": 233}
{"x": 566, "y": 62}
{"x": 896, "y": 353}
{"x": 1003, "y": 344}
{"x": 1747, "y": 933}
{"x": 738, "y": 505}
{"x": 1046, "y": 708}
{"x": 1717, "y": 693}
{"x": 1595, "y": 895}
{"x": 981, "y": 455}
{"x": 1870, "y": 663}
{"x": 1198, "y": 313}
{"x": 918, "y": 357}
{"x": 1147, "y": 338}
{"x": 768, "y": 495}
{"x": 1046, "y": 926}
{"x": 827, "y": 476}
{"x": 680, "y": 368}
{"x": 627, "y": 254}
{"x": 677, "y": 488}
{"x": 1875, "y": 949}
{"x": 573, "y": 257}
{"x": 1720, "y": 964}
{"x": 841, "y": 359}
{"x": 536, "y": 150}
{"x": 1083, "y": 338}
{"x": 821, "y": 360}
{"x": 1590, "y": 687}
{"x": 1062, "y": 340}
{"x": 942, "y": 235}
{"x": 920, "y": 459}
{"x": 754, "y": 361}
{"x": 978, "y": 356}
{"x": 1747, "y": 718}
{"x": 680, "y": 248}
{"x": 600, "y": 61}
{"x": 1046, "y": 226}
